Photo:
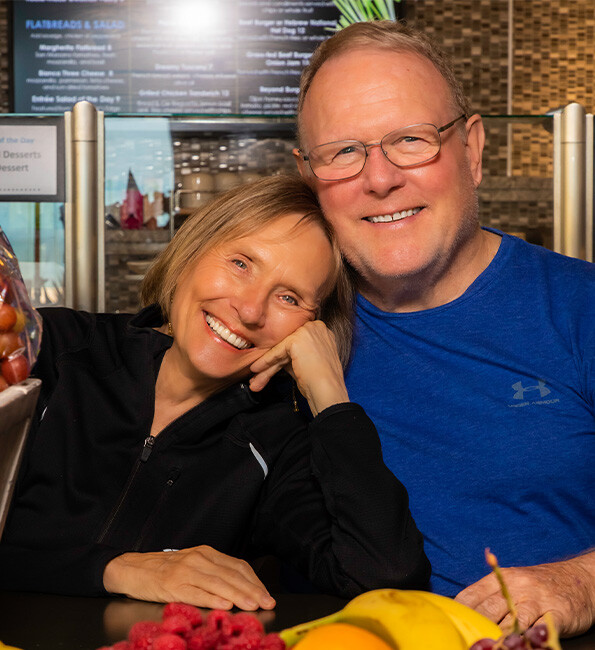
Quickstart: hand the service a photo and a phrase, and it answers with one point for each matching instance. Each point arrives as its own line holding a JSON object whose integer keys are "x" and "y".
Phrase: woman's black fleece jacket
{"x": 241, "y": 472}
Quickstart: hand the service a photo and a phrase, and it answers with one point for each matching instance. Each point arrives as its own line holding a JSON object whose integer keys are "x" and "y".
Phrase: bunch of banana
{"x": 408, "y": 620}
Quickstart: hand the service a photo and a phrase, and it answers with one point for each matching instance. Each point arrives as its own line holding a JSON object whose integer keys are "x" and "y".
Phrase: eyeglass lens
{"x": 405, "y": 147}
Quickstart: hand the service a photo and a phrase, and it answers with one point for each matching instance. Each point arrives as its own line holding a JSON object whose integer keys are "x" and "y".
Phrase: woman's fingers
{"x": 261, "y": 379}
{"x": 225, "y": 577}
{"x": 237, "y": 573}
{"x": 310, "y": 355}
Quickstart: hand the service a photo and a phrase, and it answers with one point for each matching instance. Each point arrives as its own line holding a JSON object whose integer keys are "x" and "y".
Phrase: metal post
{"x": 590, "y": 190}
{"x": 570, "y": 223}
{"x": 557, "y": 182}
{"x": 84, "y": 245}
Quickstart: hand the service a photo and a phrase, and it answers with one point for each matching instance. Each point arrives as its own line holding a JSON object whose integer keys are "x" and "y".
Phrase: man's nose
{"x": 379, "y": 175}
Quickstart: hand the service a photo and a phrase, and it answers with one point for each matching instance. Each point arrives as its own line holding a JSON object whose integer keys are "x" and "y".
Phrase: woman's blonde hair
{"x": 238, "y": 213}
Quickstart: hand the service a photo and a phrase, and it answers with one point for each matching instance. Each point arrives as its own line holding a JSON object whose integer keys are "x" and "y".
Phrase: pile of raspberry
{"x": 183, "y": 628}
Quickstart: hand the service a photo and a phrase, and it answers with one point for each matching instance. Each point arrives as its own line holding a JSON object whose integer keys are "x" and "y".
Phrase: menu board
{"x": 210, "y": 57}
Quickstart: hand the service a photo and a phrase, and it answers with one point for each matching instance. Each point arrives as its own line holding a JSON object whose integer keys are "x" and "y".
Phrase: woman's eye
{"x": 290, "y": 300}
{"x": 240, "y": 264}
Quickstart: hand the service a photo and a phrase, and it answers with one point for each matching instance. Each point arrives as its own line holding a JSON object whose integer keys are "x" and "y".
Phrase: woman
{"x": 163, "y": 456}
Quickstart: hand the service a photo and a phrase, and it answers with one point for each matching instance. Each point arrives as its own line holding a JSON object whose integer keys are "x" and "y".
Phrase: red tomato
{"x": 9, "y": 342}
{"x": 8, "y": 317}
{"x": 3, "y": 384}
{"x": 15, "y": 369}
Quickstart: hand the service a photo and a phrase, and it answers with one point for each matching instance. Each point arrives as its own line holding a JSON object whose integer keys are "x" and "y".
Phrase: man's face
{"x": 363, "y": 95}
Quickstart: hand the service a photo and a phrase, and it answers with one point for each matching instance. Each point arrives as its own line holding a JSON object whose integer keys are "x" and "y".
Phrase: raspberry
{"x": 142, "y": 643}
{"x": 272, "y": 641}
{"x": 189, "y": 611}
{"x": 141, "y": 635}
{"x": 240, "y": 623}
{"x": 176, "y": 624}
{"x": 197, "y": 643}
{"x": 249, "y": 641}
{"x": 142, "y": 629}
{"x": 169, "y": 642}
{"x": 121, "y": 645}
{"x": 203, "y": 638}
{"x": 216, "y": 619}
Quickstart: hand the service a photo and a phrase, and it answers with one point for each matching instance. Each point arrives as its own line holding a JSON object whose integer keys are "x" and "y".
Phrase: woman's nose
{"x": 250, "y": 304}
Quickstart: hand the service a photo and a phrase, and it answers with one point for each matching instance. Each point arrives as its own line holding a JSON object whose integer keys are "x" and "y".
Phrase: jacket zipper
{"x": 144, "y": 456}
{"x": 171, "y": 479}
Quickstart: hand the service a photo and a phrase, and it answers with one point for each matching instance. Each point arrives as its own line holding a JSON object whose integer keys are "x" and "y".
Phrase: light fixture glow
{"x": 196, "y": 17}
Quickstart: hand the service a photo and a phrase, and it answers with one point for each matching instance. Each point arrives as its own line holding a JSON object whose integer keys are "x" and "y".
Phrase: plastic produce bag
{"x": 20, "y": 324}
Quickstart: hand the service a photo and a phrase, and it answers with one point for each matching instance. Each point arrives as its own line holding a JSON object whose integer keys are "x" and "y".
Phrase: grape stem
{"x": 493, "y": 563}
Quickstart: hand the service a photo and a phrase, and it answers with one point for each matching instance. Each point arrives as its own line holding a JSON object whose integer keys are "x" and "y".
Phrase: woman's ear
{"x": 475, "y": 143}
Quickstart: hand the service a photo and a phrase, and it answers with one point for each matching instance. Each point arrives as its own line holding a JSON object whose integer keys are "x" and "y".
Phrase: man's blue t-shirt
{"x": 485, "y": 409}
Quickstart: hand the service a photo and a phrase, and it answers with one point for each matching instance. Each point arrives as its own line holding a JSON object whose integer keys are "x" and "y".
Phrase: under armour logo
{"x": 521, "y": 390}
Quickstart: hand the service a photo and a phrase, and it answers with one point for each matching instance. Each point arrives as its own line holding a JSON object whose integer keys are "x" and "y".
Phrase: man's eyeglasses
{"x": 406, "y": 147}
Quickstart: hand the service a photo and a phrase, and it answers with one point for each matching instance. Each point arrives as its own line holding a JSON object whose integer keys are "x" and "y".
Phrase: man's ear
{"x": 475, "y": 143}
{"x": 301, "y": 165}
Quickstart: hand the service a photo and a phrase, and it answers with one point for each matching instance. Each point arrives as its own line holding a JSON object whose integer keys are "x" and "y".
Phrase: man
{"x": 474, "y": 351}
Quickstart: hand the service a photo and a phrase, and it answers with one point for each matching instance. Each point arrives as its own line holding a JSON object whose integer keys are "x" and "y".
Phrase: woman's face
{"x": 245, "y": 296}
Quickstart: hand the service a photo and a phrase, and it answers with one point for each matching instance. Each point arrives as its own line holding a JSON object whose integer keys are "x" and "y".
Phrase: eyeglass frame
{"x": 306, "y": 156}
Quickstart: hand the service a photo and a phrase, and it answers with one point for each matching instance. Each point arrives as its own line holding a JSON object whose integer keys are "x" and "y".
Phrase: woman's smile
{"x": 224, "y": 333}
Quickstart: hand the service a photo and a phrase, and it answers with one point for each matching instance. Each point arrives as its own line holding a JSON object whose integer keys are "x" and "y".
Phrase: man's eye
{"x": 401, "y": 140}
{"x": 418, "y": 139}
{"x": 345, "y": 151}
{"x": 240, "y": 264}
{"x": 290, "y": 300}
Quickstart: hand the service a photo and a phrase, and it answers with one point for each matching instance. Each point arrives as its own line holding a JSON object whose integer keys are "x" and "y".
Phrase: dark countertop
{"x": 51, "y": 622}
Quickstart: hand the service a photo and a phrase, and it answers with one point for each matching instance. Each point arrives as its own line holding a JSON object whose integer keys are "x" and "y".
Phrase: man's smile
{"x": 395, "y": 216}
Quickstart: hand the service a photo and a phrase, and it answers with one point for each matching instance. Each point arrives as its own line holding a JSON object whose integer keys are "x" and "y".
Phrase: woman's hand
{"x": 310, "y": 356}
{"x": 200, "y": 576}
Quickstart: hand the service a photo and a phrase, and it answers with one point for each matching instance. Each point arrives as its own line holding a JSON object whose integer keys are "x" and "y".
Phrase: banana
{"x": 471, "y": 624}
{"x": 403, "y": 619}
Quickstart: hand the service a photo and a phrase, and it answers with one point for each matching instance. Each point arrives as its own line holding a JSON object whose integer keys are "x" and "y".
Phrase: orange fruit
{"x": 341, "y": 636}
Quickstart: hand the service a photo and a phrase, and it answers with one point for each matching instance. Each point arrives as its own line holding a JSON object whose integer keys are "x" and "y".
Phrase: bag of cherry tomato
{"x": 20, "y": 324}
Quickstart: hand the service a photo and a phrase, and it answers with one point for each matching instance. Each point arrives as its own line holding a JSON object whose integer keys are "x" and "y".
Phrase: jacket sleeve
{"x": 73, "y": 571}
{"x": 338, "y": 514}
